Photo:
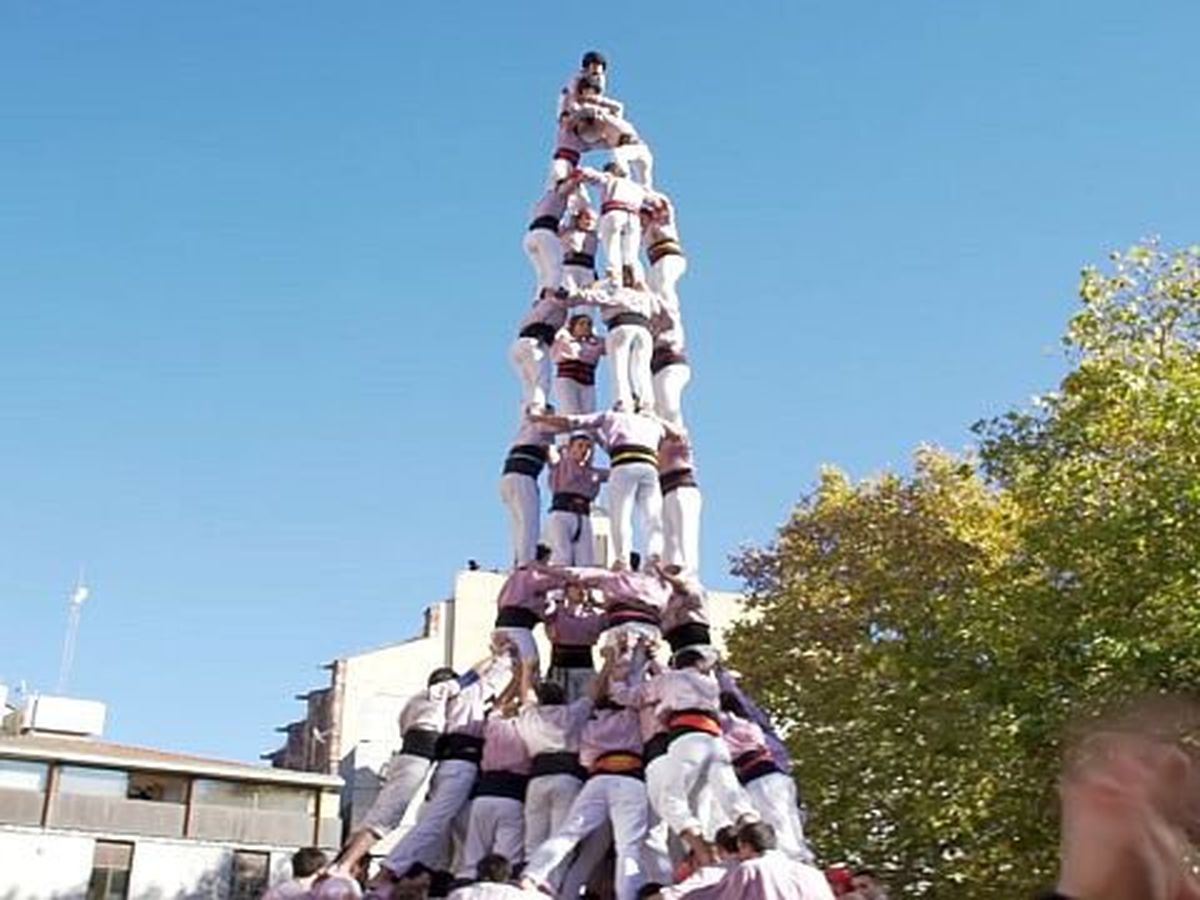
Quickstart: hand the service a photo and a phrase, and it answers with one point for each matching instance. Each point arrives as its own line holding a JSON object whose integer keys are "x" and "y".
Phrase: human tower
{"x": 659, "y": 750}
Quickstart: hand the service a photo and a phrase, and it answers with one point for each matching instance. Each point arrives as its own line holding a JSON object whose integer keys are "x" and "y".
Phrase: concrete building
{"x": 85, "y": 819}
{"x": 350, "y": 726}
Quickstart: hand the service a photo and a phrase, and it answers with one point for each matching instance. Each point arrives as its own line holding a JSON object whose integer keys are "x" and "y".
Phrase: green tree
{"x": 924, "y": 639}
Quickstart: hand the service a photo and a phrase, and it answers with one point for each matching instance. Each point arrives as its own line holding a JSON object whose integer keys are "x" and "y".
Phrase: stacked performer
{"x": 540, "y": 771}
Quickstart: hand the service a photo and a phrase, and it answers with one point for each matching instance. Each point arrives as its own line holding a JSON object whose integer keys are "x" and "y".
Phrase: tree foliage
{"x": 925, "y": 638}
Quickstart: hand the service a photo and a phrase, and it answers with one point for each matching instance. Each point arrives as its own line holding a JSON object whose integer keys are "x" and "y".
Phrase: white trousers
{"x": 669, "y": 383}
{"x": 634, "y": 486}
{"x": 573, "y": 398}
{"x": 544, "y": 250}
{"x": 576, "y": 278}
{"x": 774, "y": 796}
{"x": 618, "y": 799}
{"x": 620, "y": 234}
{"x": 690, "y": 758}
{"x": 531, "y": 359}
{"x": 570, "y": 538}
{"x": 656, "y": 853}
{"x": 629, "y": 350}
{"x": 547, "y": 802}
{"x": 497, "y": 825}
{"x": 405, "y": 774}
{"x": 523, "y": 501}
{"x": 681, "y": 527}
{"x": 663, "y": 277}
{"x": 449, "y": 791}
{"x": 638, "y": 161}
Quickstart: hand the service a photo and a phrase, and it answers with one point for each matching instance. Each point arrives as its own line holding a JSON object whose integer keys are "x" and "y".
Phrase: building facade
{"x": 85, "y": 819}
{"x": 350, "y": 725}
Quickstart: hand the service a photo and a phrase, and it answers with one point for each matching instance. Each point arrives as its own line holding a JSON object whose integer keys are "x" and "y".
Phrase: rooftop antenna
{"x": 74, "y": 608}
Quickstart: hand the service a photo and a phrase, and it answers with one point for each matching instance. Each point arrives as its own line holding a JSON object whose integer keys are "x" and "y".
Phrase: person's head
{"x": 635, "y": 560}
{"x": 580, "y": 326}
{"x": 615, "y": 168}
{"x": 755, "y": 839}
{"x": 594, "y": 63}
{"x": 585, "y": 219}
{"x": 308, "y": 861}
{"x": 494, "y": 867}
{"x": 588, "y": 87}
{"x": 687, "y": 659}
{"x": 550, "y": 694}
{"x": 649, "y": 890}
{"x": 579, "y": 448}
{"x": 726, "y": 841}
{"x": 440, "y": 674}
{"x": 574, "y": 593}
{"x": 867, "y": 883}
{"x": 542, "y": 554}
{"x": 731, "y": 704}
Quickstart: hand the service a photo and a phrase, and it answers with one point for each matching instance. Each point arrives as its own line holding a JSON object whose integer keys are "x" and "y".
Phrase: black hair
{"x": 494, "y": 867}
{"x": 307, "y": 861}
{"x": 543, "y": 553}
{"x": 440, "y": 674}
{"x": 731, "y": 704}
{"x": 686, "y": 659}
{"x": 649, "y": 889}
{"x": 578, "y": 317}
{"x": 550, "y": 694}
{"x": 726, "y": 838}
{"x": 758, "y": 836}
{"x": 594, "y": 57}
{"x": 866, "y": 873}
{"x": 635, "y": 560}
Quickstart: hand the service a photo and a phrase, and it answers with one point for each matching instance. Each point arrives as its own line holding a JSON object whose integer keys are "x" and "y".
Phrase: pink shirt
{"x": 675, "y": 455}
{"x": 465, "y": 710}
{"x": 526, "y": 588}
{"x": 627, "y": 587}
{"x": 617, "y": 428}
{"x": 613, "y": 301}
{"x": 571, "y": 349}
{"x": 569, "y": 477}
{"x": 679, "y": 689}
{"x": 503, "y": 748}
{"x": 609, "y": 731}
{"x": 576, "y": 240}
{"x": 667, "y": 327}
{"x": 656, "y": 230}
{"x": 427, "y": 709}
{"x": 574, "y": 625}
{"x": 641, "y": 695}
{"x": 553, "y": 729}
{"x": 701, "y": 884}
{"x": 531, "y": 433}
{"x": 614, "y": 189}
{"x": 553, "y": 203}
{"x": 773, "y": 876}
{"x": 741, "y": 735}
{"x": 545, "y": 311}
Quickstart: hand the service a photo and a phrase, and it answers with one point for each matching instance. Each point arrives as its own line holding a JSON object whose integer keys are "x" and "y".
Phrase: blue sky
{"x": 260, "y": 265}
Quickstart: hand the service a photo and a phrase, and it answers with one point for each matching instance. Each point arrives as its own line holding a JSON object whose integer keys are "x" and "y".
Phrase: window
{"x": 157, "y": 788}
{"x": 22, "y": 791}
{"x": 111, "y": 863}
{"x": 245, "y": 795}
{"x": 91, "y": 782}
{"x": 20, "y": 775}
{"x": 251, "y": 872}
